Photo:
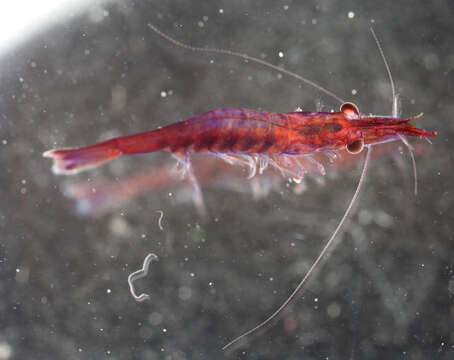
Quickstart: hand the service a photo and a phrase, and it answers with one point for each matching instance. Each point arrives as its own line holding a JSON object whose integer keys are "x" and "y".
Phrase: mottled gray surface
{"x": 386, "y": 291}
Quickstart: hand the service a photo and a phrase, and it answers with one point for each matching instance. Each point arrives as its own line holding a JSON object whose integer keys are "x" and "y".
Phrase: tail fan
{"x": 73, "y": 160}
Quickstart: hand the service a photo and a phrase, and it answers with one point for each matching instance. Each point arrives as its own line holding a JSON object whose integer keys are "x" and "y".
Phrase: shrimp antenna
{"x": 395, "y": 109}
{"x": 316, "y": 262}
{"x": 245, "y": 57}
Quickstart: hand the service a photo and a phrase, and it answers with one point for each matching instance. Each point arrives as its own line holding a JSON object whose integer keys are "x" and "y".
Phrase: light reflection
{"x": 19, "y": 19}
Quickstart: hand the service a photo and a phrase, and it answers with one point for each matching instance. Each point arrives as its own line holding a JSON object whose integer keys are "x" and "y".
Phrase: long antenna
{"x": 316, "y": 262}
{"x": 388, "y": 70}
{"x": 395, "y": 110}
{"x": 245, "y": 57}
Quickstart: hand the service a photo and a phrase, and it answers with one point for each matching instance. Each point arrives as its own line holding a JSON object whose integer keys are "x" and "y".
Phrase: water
{"x": 387, "y": 289}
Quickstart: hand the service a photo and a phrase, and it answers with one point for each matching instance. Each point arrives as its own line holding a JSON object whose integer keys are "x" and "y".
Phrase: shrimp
{"x": 287, "y": 141}
{"x": 274, "y": 137}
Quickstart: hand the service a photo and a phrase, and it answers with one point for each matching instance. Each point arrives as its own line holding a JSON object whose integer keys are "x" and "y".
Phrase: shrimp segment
{"x": 245, "y": 132}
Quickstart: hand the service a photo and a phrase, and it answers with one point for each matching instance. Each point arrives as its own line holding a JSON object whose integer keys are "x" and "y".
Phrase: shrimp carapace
{"x": 234, "y": 131}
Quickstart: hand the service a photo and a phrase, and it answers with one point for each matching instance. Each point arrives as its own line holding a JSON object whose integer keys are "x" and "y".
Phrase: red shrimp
{"x": 284, "y": 140}
{"x": 247, "y": 132}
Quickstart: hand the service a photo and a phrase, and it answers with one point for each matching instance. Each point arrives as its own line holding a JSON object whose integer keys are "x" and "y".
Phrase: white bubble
{"x": 354, "y": 91}
{"x": 281, "y": 54}
{"x": 221, "y": 11}
{"x": 351, "y": 14}
{"x": 163, "y": 94}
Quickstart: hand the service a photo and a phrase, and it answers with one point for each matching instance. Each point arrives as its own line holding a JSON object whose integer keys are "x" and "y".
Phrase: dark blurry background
{"x": 97, "y": 72}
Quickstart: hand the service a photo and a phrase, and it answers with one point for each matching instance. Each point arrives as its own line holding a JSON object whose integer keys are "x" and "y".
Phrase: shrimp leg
{"x": 197, "y": 195}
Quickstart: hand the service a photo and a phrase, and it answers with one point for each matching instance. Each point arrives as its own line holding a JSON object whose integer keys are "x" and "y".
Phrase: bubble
{"x": 351, "y": 15}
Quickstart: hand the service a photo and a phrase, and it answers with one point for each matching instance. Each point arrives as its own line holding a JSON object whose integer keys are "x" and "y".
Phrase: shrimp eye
{"x": 350, "y": 111}
{"x": 356, "y": 146}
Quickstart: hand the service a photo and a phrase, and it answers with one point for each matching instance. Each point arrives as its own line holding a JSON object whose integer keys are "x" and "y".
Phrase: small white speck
{"x": 351, "y": 14}
{"x": 314, "y": 21}
{"x": 200, "y": 24}
{"x": 17, "y": 270}
{"x": 87, "y": 52}
{"x": 285, "y": 7}
{"x": 271, "y": 279}
{"x": 163, "y": 94}
{"x": 4, "y": 142}
{"x": 23, "y": 181}
{"x": 279, "y": 76}
{"x": 205, "y": 18}
{"x": 221, "y": 11}
{"x": 21, "y": 79}
{"x": 192, "y": 274}
{"x": 281, "y": 54}
{"x": 211, "y": 283}
{"x": 354, "y": 91}
{"x": 170, "y": 194}
{"x": 33, "y": 64}
{"x": 164, "y": 330}
{"x": 108, "y": 291}
{"x": 316, "y": 300}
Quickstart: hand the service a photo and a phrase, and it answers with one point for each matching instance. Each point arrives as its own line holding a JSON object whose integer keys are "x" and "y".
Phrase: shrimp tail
{"x": 73, "y": 160}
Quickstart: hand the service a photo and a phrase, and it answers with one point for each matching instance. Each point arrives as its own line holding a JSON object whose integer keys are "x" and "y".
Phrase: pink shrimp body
{"x": 245, "y": 132}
